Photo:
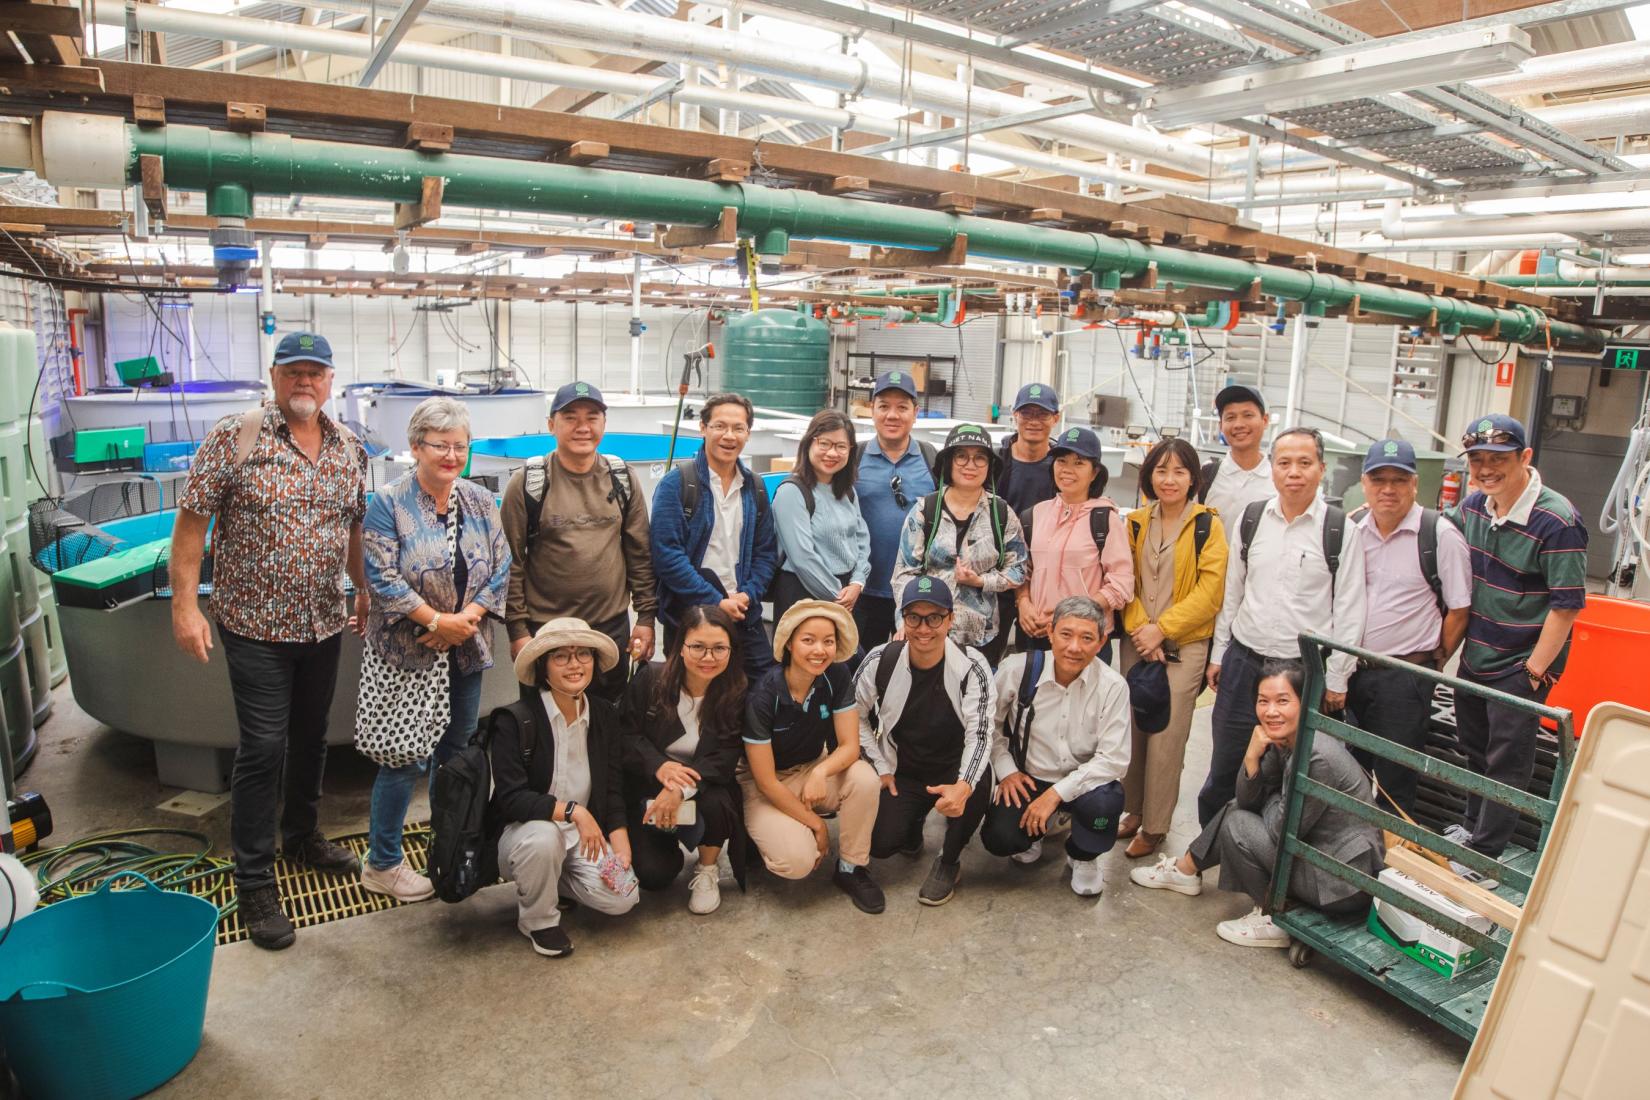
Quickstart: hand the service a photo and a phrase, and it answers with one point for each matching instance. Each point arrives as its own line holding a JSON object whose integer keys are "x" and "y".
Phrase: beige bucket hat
{"x": 847, "y": 634}
{"x": 559, "y": 634}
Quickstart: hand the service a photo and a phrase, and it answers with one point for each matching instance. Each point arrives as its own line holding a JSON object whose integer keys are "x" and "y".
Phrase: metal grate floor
{"x": 311, "y": 897}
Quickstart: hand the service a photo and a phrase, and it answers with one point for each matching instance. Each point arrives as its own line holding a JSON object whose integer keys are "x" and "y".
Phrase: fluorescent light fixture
{"x": 1342, "y": 74}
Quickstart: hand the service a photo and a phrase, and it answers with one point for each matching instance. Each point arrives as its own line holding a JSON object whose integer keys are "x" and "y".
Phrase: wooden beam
{"x": 152, "y": 174}
{"x": 428, "y": 137}
{"x": 1454, "y": 887}
{"x": 842, "y": 185}
{"x": 426, "y": 209}
{"x": 725, "y": 231}
{"x": 916, "y": 259}
{"x": 80, "y": 78}
{"x": 584, "y": 152}
{"x": 955, "y": 202}
{"x": 725, "y": 170}
{"x": 149, "y": 110}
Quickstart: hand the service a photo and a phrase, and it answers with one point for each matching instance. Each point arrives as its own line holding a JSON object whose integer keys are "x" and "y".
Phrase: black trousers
{"x": 874, "y": 615}
{"x": 1231, "y": 726}
{"x": 609, "y": 685}
{"x": 282, "y": 692}
{"x": 1398, "y": 706}
{"x": 1499, "y": 743}
{"x": 1094, "y": 817}
{"x": 900, "y": 817}
{"x": 656, "y": 855}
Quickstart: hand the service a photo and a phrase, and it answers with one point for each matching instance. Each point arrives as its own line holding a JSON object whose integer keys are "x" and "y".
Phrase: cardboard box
{"x": 1419, "y": 940}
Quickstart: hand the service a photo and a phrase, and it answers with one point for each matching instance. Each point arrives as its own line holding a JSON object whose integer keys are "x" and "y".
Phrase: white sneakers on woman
{"x": 1164, "y": 875}
{"x": 399, "y": 882}
{"x": 704, "y": 889}
{"x": 1253, "y": 929}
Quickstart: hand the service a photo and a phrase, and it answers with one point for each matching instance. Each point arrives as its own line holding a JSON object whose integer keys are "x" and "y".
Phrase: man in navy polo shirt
{"x": 894, "y": 475}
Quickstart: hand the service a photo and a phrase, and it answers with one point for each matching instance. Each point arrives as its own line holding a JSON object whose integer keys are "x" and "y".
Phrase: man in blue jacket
{"x": 712, "y": 532}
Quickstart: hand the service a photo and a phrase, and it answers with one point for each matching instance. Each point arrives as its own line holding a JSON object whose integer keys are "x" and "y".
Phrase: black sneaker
{"x": 941, "y": 882}
{"x": 261, "y": 913}
{"x": 551, "y": 942}
{"x": 316, "y": 851}
{"x": 865, "y": 894}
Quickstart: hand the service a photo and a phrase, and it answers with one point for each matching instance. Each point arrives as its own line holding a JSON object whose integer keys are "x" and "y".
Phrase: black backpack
{"x": 1426, "y": 548}
{"x": 1202, "y": 524}
{"x": 692, "y": 489}
{"x": 930, "y": 455}
{"x": 1334, "y": 535}
{"x": 1017, "y": 726}
{"x": 535, "y": 483}
{"x": 1206, "y": 478}
{"x": 996, "y": 507}
{"x": 463, "y": 853}
{"x": 1099, "y": 526}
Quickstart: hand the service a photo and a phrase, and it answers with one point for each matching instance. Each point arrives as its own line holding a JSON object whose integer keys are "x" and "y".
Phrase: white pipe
{"x": 343, "y": 43}
{"x": 1395, "y": 227}
{"x": 636, "y": 325}
{"x": 568, "y": 22}
{"x": 1495, "y": 262}
{"x": 1600, "y": 118}
{"x": 1598, "y": 67}
{"x": 1305, "y": 328}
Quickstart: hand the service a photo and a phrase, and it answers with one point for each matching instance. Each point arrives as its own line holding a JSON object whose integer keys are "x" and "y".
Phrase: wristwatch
{"x": 567, "y": 811}
{"x": 435, "y": 621}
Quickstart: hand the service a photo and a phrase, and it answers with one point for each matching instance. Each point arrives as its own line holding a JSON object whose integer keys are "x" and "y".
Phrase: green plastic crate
{"x": 109, "y": 444}
{"x": 132, "y": 371}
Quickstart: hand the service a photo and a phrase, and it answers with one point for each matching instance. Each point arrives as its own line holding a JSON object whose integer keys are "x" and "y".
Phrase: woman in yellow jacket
{"x": 1179, "y": 550}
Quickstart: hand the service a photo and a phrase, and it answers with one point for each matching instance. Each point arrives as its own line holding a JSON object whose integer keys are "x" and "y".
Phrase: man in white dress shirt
{"x": 1243, "y": 475}
{"x": 1292, "y": 569}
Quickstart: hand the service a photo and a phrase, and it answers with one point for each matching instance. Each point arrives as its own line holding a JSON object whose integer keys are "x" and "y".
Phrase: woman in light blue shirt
{"x": 824, "y": 545}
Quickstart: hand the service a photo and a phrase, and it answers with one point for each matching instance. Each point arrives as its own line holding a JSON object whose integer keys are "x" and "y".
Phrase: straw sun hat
{"x": 847, "y": 634}
{"x": 559, "y": 634}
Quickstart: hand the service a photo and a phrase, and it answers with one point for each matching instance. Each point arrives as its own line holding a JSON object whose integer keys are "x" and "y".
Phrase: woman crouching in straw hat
{"x": 558, "y": 786}
{"x": 802, "y": 752}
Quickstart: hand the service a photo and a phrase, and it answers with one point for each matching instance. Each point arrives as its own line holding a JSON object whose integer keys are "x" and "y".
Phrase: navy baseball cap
{"x": 577, "y": 391}
{"x": 926, "y": 590}
{"x": 1390, "y": 454}
{"x": 1078, "y": 441}
{"x": 1039, "y": 394}
{"x": 1495, "y": 432}
{"x": 1238, "y": 393}
{"x": 1149, "y": 695}
{"x": 895, "y": 380}
{"x": 303, "y": 347}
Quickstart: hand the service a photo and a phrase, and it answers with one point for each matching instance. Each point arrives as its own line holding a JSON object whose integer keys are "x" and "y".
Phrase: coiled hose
{"x": 82, "y": 865}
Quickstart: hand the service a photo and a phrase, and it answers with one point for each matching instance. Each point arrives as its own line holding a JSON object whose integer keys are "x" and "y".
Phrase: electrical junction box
{"x": 1427, "y": 945}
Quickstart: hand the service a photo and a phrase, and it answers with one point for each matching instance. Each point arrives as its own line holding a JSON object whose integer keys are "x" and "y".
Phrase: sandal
{"x": 1144, "y": 844}
{"x": 1128, "y": 826}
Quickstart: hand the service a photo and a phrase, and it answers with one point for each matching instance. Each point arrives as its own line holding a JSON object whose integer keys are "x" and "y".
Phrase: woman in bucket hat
{"x": 967, "y": 536}
{"x": 558, "y": 785}
{"x": 802, "y": 755}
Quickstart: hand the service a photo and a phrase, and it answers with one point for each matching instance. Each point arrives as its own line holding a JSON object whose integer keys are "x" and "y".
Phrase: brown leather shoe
{"x": 1128, "y": 826}
{"x": 1143, "y": 845}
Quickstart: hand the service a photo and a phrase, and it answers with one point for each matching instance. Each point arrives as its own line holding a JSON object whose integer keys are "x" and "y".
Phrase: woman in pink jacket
{"x": 1078, "y": 543}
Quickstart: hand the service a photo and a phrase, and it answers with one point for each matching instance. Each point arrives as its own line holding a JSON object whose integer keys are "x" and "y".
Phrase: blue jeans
{"x": 393, "y": 789}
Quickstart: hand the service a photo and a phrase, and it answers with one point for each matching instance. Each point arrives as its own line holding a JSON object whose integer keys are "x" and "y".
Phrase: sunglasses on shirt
{"x": 899, "y": 492}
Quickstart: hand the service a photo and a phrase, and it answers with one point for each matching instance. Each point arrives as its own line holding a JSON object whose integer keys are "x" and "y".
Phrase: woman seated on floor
{"x": 558, "y": 785}
{"x": 802, "y": 755}
{"x": 1242, "y": 839}
{"x": 684, "y": 720}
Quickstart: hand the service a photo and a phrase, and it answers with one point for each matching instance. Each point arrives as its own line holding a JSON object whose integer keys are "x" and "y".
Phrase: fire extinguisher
{"x": 1449, "y": 493}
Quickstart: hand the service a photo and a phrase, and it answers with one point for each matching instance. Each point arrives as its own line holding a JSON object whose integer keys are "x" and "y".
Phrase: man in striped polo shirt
{"x": 1529, "y": 569}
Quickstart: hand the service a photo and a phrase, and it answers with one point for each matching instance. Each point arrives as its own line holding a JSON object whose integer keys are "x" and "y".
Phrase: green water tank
{"x": 778, "y": 358}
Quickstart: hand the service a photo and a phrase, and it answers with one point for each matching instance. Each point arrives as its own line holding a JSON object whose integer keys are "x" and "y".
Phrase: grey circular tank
{"x": 778, "y": 358}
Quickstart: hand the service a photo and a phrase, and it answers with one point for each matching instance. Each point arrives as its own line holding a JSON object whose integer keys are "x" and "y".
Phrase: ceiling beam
{"x": 393, "y": 34}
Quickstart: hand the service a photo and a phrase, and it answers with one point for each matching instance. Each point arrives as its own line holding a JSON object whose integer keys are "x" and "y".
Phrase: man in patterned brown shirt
{"x": 288, "y": 490}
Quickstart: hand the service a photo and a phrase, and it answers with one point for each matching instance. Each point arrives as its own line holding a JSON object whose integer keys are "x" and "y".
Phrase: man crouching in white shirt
{"x": 1062, "y": 745}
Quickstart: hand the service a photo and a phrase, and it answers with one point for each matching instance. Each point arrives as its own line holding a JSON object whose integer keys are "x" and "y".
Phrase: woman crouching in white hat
{"x": 802, "y": 751}
{"x": 559, "y": 786}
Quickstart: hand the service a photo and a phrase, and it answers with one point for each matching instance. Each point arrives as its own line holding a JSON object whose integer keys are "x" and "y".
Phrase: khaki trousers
{"x": 787, "y": 845}
{"x": 1151, "y": 787}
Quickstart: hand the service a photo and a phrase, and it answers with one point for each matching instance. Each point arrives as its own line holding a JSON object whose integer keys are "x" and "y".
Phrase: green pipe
{"x": 195, "y": 158}
{"x": 1538, "y": 281}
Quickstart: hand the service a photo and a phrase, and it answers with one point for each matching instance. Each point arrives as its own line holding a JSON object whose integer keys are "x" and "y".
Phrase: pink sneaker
{"x": 399, "y": 882}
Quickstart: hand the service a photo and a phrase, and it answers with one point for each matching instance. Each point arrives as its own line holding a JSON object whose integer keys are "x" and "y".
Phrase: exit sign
{"x": 1626, "y": 357}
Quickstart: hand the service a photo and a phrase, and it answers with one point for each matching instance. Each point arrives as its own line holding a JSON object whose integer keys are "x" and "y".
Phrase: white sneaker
{"x": 1030, "y": 855}
{"x": 1254, "y": 929}
{"x": 1458, "y": 833}
{"x": 1164, "y": 875}
{"x": 704, "y": 890}
{"x": 1086, "y": 877}
{"x": 399, "y": 882}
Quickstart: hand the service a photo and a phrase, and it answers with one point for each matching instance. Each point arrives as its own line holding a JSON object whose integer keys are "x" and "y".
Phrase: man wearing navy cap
{"x": 1418, "y": 585}
{"x": 578, "y": 535}
{"x": 1243, "y": 474}
{"x": 895, "y": 473}
{"x": 1529, "y": 575}
{"x": 287, "y": 485}
{"x": 1027, "y": 477}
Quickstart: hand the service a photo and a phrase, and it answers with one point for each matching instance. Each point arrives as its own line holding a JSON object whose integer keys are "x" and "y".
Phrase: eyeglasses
{"x": 832, "y": 448}
{"x": 1033, "y": 412}
{"x": 446, "y": 450}
{"x": 900, "y": 498}
{"x": 971, "y": 458}
{"x": 561, "y": 658}
{"x": 700, "y": 652}
{"x": 933, "y": 620}
{"x": 1496, "y": 436}
{"x": 721, "y": 428}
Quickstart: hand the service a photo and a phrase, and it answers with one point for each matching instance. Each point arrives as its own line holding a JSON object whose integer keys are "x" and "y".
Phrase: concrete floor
{"x": 1017, "y": 988}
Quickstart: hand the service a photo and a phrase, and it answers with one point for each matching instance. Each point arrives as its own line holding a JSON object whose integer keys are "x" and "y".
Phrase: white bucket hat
{"x": 560, "y": 634}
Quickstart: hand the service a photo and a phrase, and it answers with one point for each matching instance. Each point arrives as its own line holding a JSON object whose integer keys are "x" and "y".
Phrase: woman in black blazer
{"x": 683, "y": 722}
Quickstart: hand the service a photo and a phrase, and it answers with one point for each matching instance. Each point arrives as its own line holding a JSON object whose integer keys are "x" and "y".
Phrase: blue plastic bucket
{"x": 103, "y": 996}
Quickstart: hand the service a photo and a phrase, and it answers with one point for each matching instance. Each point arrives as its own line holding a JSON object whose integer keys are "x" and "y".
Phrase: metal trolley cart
{"x": 1456, "y": 1002}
